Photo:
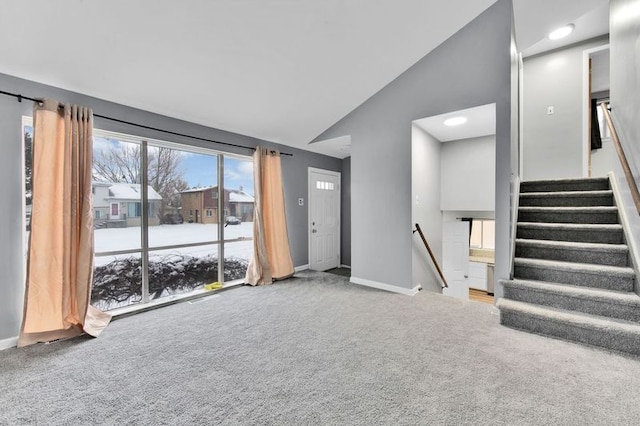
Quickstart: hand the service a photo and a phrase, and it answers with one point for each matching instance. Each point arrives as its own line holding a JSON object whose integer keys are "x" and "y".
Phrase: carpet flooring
{"x": 315, "y": 349}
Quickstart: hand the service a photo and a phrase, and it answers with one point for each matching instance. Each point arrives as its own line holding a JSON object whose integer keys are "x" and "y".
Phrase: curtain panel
{"x": 60, "y": 255}
{"x": 271, "y": 254}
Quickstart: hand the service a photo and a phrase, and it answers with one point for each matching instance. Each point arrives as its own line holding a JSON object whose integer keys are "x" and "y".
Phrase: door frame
{"x": 586, "y": 105}
{"x": 311, "y": 170}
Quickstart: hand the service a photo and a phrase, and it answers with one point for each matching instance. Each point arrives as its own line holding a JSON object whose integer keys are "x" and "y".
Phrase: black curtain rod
{"x": 39, "y": 101}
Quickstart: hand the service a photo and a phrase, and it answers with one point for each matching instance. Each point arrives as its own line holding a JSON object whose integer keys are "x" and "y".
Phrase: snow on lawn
{"x": 115, "y": 239}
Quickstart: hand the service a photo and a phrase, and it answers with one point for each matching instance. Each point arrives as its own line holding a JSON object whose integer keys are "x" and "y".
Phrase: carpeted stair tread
{"x": 606, "y": 303}
{"x": 571, "y": 274}
{"x": 588, "y": 184}
{"x": 581, "y": 232}
{"x": 615, "y": 334}
{"x": 569, "y": 251}
{"x": 572, "y": 214}
{"x": 580, "y": 274}
{"x": 567, "y": 198}
{"x": 596, "y": 269}
{"x": 570, "y": 245}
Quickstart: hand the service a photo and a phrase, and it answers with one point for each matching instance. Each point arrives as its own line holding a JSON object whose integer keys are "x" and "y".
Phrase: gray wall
{"x": 345, "y": 213}
{"x": 471, "y": 68}
{"x": 468, "y": 174}
{"x": 425, "y": 201}
{"x": 553, "y": 144}
{"x": 625, "y": 78}
{"x": 294, "y": 170}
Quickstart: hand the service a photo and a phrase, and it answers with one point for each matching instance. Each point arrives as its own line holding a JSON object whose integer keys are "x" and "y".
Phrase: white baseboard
{"x": 8, "y": 343}
{"x": 386, "y": 287}
{"x": 346, "y": 266}
{"x": 301, "y": 268}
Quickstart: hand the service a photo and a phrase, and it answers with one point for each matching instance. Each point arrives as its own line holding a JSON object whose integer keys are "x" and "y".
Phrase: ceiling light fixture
{"x": 561, "y": 32}
{"x": 455, "y": 121}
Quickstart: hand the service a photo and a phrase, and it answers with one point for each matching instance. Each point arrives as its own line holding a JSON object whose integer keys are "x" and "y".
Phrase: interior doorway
{"x": 599, "y": 154}
{"x": 453, "y": 187}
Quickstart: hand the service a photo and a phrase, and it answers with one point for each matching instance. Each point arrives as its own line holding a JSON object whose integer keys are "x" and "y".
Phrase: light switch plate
{"x": 550, "y": 110}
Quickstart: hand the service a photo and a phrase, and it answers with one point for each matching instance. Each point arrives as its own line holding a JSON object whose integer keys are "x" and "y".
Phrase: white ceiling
{"x": 279, "y": 70}
{"x": 535, "y": 19}
{"x": 481, "y": 121}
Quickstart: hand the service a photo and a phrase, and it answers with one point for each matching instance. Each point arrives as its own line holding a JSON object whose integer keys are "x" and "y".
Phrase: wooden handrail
{"x": 623, "y": 158}
{"x": 433, "y": 259}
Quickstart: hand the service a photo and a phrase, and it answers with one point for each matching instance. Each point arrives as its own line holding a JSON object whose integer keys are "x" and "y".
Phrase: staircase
{"x": 572, "y": 275}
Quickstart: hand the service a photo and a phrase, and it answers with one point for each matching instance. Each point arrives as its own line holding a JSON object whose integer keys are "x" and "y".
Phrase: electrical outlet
{"x": 550, "y": 110}
{"x": 301, "y": 201}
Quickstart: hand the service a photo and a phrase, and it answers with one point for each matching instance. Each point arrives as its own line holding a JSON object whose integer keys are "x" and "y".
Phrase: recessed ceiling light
{"x": 561, "y": 32}
{"x": 455, "y": 121}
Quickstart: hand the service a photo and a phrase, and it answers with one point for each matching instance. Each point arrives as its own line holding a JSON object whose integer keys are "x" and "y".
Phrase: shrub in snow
{"x": 120, "y": 282}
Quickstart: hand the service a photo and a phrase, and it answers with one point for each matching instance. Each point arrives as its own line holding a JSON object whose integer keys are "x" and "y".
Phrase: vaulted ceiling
{"x": 279, "y": 70}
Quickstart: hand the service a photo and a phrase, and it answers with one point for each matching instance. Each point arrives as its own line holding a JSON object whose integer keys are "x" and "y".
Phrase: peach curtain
{"x": 60, "y": 260}
{"x": 271, "y": 254}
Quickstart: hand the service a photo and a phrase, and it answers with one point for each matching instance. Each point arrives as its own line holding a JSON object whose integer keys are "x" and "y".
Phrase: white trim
{"x": 338, "y": 175}
{"x": 386, "y": 287}
{"x": 634, "y": 253}
{"x": 345, "y": 266}
{"x": 11, "y": 342}
{"x": 301, "y": 268}
{"x": 520, "y": 116}
{"x": 586, "y": 97}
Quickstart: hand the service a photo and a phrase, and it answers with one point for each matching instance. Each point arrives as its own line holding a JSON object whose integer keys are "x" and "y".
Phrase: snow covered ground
{"x": 115, "y": 239}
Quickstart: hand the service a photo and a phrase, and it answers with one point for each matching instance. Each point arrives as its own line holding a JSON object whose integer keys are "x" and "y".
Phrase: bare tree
{"x": 118, "y": 163}
{"x": 122, "y": 162}
{"x": 165, "y": 176}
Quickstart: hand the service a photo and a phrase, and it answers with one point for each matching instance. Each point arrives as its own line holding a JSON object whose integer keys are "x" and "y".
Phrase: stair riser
{"x": 585, "y": 201}
{"x": 595, "y": 185}
{"x": 588, "y": 306}
{"x": 574, "y": 235}
{"x": 612, "y": 258}
{"x": 620, "y": 341}
{"x": 582, "y": 279}
{"x": 568, "y": 217}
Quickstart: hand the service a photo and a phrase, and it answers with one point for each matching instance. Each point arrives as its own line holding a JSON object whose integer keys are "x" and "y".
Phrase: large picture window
{"x": 161, "y": 230}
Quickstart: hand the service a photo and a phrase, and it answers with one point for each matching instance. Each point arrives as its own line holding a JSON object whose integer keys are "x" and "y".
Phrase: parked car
{"x": 172, "y": 219}
{"x": 231, "y": 220}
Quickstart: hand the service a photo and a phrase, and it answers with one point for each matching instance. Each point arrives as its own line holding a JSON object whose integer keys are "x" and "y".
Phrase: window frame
{"x": 144, "y": 248}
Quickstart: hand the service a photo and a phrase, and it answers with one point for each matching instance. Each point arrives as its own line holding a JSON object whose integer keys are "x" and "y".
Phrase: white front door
{"x": 324, "y": 219}
{"x": 455, "y": 258}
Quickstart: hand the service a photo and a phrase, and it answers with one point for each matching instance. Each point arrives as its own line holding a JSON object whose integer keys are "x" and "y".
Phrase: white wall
{"x": 625, "y": 80}
{"x": 552, "y": 144}
{"x": 425, "y": 209}
{"x": 468, "y": 173}
{"x": 603, "y": 160}
{"x": 625, "y": 101}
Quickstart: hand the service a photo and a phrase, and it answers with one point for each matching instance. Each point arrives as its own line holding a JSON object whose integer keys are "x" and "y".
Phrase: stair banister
{"x": 515, "y": 203}
{"x": 635, "y": 194}
{"x": 433, "y": 259}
